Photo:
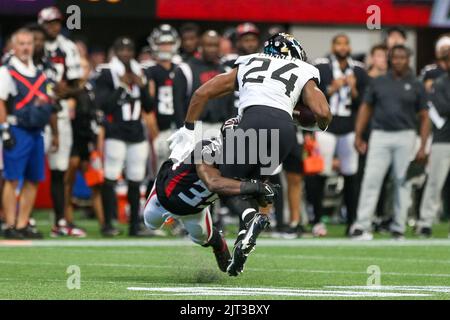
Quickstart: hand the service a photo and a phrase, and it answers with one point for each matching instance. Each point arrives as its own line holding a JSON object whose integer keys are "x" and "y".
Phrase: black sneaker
{"x": 110, "y": 232}
{"x": 242, "y": 249}
{"x": 30, "y": 232}
{"x": 293, "y": 232}
{"x": 223, "y": 256}
{"x": 13, "y": 234}
{"x": 424, "y": 232}
{"x": 397, "y": 235}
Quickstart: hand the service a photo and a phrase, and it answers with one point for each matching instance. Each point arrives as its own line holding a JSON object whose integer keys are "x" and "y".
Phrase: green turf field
{"x": 331, "y": 268}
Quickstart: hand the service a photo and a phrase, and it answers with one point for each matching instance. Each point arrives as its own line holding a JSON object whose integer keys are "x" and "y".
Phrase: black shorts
{"x": 294, "y": 161}
{"x": 80, "y": 148}
{"x": 259, "y": 163}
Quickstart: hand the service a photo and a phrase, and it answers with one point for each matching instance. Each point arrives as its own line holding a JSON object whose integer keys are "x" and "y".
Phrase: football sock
{"x": 134, "y": 202}
{"x": 216, "y": 241}
{"x": 109, "y": 201}
{"x": 350, "y": 197}
{"x": 57, "y": 193}
{"x": 279, "y": 203}
{"x": 315, "y": 189}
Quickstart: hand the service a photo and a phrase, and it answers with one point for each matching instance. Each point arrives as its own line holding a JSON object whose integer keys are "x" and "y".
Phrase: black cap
{"x": 123, "y": 42}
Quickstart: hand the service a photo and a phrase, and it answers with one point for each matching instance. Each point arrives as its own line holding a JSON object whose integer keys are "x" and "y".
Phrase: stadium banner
{"x": 20, "y": 7}
{"x": 393, "y": 12}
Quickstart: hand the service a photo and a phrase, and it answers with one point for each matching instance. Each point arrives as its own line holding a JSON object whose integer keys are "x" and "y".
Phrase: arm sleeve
{"x": 421, "y": 98}
{"x": 440, "y": 99}
{"x": 369, "y": 94}
{"x": 361, "y": 85}
{"x": 146, "y": 99}
{"x": 73, "y": 62}
{"x": 179, "y": 97}
{"x": 325, "y": 81}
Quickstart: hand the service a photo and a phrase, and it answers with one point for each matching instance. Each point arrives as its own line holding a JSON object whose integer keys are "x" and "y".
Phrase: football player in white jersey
{"x": 271, "y": 84}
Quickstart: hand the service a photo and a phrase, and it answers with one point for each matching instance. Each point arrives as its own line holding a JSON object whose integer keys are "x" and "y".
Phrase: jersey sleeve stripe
{"x": 173, "y": 183}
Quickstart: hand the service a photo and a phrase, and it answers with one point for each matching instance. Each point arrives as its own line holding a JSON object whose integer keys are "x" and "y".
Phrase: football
{"x": 304, "y": 116}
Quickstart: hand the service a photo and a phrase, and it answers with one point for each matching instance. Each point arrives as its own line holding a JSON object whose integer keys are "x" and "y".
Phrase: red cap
{"x": 245, "y": 28}
{"x": 49, "y": 14}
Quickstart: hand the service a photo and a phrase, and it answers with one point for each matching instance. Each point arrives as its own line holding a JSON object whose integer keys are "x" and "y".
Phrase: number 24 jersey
{"x": 273, "y": 81}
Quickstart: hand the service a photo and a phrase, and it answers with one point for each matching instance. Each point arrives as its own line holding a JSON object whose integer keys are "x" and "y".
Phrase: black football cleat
{"x": 243, "y": 248}
{"x": 223, "y": 256}
{"x": 238, "y": 260}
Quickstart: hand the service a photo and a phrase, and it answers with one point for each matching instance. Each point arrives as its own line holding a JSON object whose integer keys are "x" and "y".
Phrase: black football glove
{"x": 263, "y": 192}
{"x": 7, "y": 137}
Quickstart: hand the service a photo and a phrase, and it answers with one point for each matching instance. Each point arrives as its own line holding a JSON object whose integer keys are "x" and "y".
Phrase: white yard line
{"x": 437, "y": 289}
{"x": 229, "y": 291}
{"x": 263, "y": 270}
{"x": 261, "y": 243}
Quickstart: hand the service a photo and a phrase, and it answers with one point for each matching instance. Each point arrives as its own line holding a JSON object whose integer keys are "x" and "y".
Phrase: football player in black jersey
{"x": 86, "y": 124}
{"x": 164, "y": 42}
{"x": 121, "y": 92}
{"x": 184, "y": 191}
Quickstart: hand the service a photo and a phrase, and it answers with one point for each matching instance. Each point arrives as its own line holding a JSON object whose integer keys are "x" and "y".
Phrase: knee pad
{"x": 198, "y": 235}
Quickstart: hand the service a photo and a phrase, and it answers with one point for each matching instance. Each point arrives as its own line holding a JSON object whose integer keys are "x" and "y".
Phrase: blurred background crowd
{"x": 120, "y": 86}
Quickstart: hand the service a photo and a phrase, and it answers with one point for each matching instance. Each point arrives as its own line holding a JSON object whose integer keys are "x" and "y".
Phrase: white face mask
{"x": 165, "y": 55}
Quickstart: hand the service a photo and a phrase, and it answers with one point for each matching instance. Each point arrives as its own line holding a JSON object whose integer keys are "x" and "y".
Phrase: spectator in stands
{"x": 433, "y": 71}
{"x": 395, "y": 36}
{"x": 190, "y": 40}
{"x": 377, "y": 61}
{"x": 21, "y": 129}
{"x": 439, "y": 163}
{"x": 393, "y": 102}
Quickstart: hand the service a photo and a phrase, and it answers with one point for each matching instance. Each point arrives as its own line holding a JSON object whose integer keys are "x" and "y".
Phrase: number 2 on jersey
{"x": 276, "y": 75}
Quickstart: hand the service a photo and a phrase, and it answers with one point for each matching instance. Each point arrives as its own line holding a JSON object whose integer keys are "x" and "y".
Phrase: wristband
{"x": 189, "y": 125}
{"x": 249, "y": 187}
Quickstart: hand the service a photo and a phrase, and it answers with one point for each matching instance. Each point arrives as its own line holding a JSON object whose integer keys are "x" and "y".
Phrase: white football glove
{"x": 181, "y": 137}
{"x": 181, "y": 142}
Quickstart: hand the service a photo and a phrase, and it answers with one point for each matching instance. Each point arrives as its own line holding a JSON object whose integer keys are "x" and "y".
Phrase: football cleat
{"x": 243, "y": 248}
{"x": 67, "y": 229}
{"x": 319, "y": 230}
{"x": 358, "y": 234}
{"x": 238, "y": 260}
{"x": 223, "y": 256}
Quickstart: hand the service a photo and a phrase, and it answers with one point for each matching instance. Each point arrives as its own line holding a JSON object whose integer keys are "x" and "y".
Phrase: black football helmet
{"x": 284, "y": 44}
